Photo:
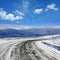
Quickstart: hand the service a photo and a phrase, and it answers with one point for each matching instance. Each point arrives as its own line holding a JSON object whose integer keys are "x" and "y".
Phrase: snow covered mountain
{"x": 27, "y": 31}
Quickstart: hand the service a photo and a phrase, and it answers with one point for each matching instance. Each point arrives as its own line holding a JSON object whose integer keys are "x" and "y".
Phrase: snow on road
{"x": 27, "y": 49}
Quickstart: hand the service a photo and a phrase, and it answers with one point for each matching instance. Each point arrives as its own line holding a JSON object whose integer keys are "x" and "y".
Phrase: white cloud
{"x": 38, "y": 11}
{"x": 25, "y": 4}
{"x": 5, "y": 16}
{"x": 19, "y": 12}
{"x": 51, "y": 6}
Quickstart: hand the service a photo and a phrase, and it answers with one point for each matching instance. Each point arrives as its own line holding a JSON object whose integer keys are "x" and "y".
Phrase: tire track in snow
{"x": 29, "y": 51}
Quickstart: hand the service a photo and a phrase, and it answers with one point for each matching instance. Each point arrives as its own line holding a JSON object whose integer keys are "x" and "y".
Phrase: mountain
{"x": 27, "y": 31}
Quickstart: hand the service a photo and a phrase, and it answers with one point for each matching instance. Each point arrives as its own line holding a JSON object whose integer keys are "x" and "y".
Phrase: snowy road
{"x": 26, "y": 50}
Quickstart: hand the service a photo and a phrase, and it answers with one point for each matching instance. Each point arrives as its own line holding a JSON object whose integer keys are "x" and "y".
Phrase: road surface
{"x": 26, "y": 50}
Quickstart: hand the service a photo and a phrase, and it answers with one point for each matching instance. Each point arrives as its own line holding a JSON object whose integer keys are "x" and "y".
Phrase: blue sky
{"x": 30, "y": 12}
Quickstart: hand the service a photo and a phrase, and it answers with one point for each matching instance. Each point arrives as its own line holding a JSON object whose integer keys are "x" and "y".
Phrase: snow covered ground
{"x": 29, "y": 48}
{"x": 55, "y": 43}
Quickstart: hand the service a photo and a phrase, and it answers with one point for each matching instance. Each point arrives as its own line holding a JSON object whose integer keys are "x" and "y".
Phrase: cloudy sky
{"x": 30, "y": 12}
